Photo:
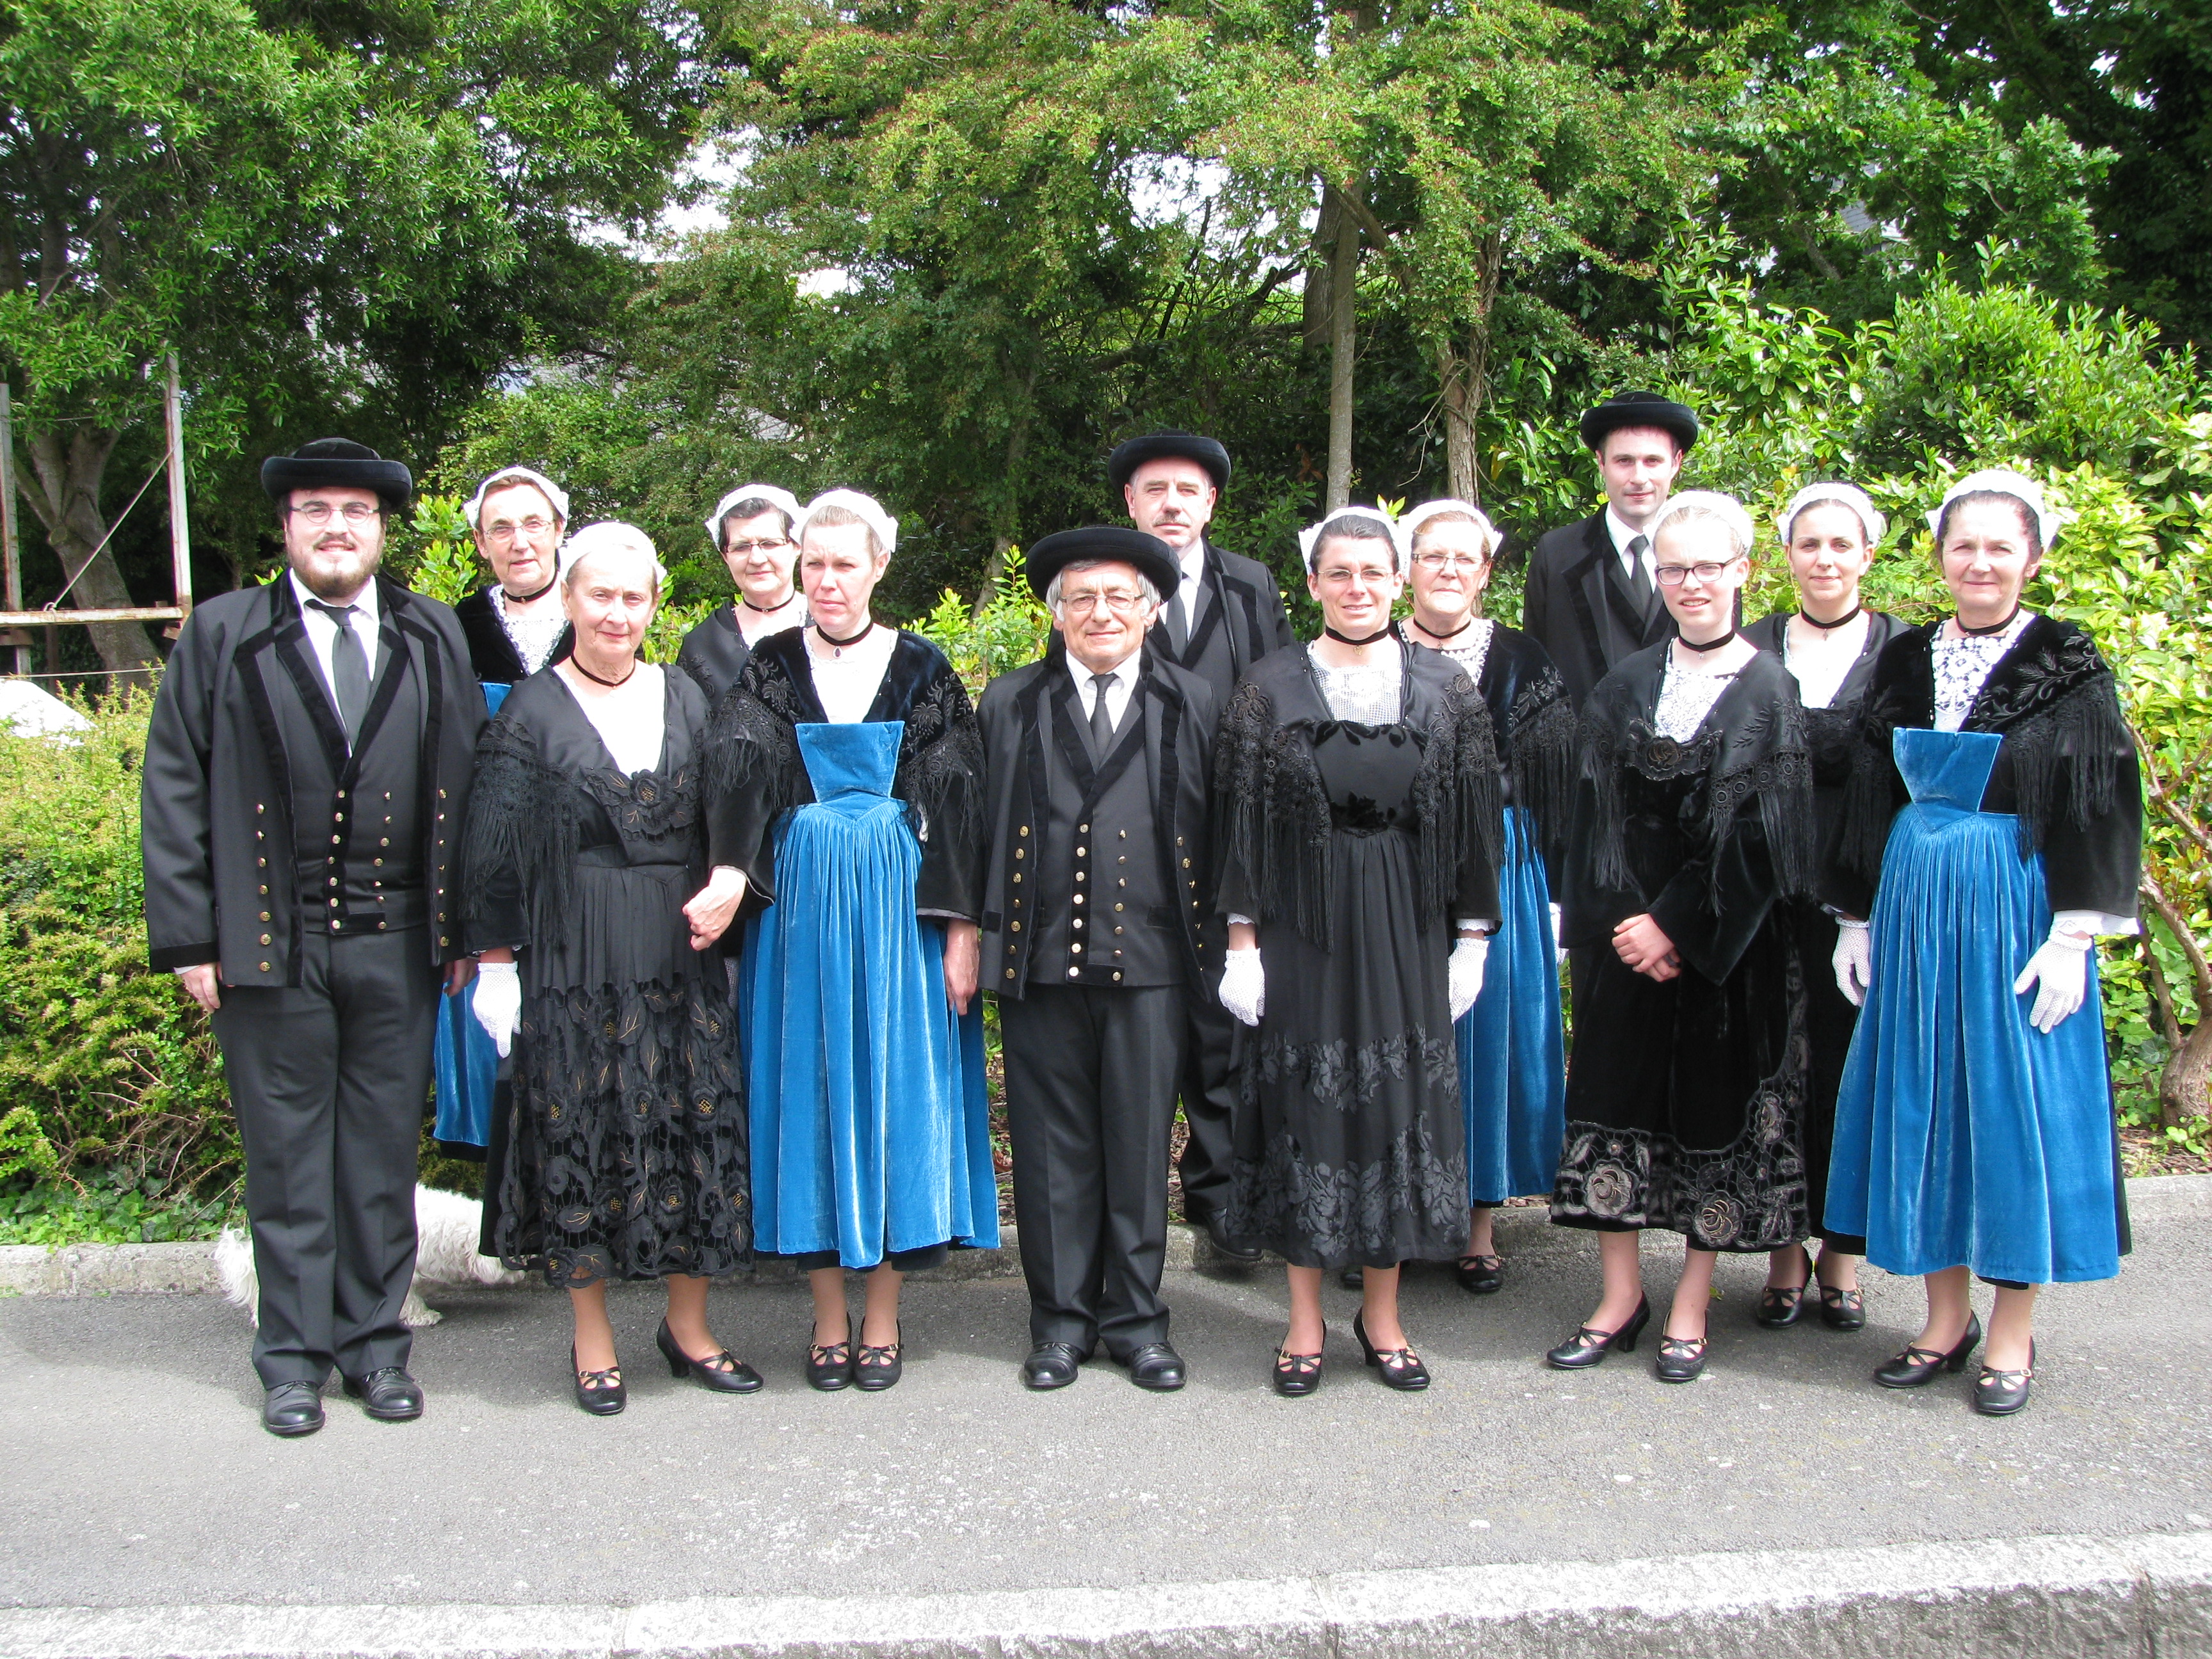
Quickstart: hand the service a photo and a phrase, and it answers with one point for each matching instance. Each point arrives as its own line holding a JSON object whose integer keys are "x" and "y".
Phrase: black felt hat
{"x": 1632, "y": 409}
{"x": 1208, "y": 452}
{"x": 1149, "y": 554}
{"x": 337, "y": 464}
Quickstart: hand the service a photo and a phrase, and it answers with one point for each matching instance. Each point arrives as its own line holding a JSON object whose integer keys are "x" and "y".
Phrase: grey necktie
{"x": 1639, "y": 579}
{"x": 1101, "y": 720}
{"x": 348, "y": 669}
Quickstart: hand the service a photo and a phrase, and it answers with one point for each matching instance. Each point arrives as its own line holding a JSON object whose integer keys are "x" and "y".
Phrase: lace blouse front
{"x": 1686, "y": 697}
{"x": 1472, "y": 648}
{"x": 1369, "y": 695}
{"x": 534, "y": 636}
{"x": 1963, "y": 664}
{"x": 631, "y": 719}
{"x": 1819, "y": 659}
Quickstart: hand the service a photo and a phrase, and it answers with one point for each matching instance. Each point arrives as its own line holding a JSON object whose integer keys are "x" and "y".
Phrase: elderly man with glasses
{"x": 1095, "y": 937}
{"x": 305, "y": 775}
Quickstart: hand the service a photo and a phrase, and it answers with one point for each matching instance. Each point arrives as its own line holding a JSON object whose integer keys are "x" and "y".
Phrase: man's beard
{"x": 342, "y": 584}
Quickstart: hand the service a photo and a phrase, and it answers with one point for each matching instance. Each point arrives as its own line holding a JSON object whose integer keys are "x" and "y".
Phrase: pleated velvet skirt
{"x": 1512, "y": 1061}
{"x": 1964, "y": 1136}
{"x": 871, "y": 1134}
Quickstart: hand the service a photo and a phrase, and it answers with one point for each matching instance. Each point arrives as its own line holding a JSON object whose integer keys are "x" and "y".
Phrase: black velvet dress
{"x": 626, "y": 1154}
{"x": 1686, "y": 1100}
{"x": 1832, "y": 735}
{"x": 1354, "y": 847}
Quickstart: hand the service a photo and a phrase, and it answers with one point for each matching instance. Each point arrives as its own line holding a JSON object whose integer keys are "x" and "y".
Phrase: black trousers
{"x": 328, "y": 1081}
{"x": 1090, "y": 1087}
{"x": 1208, "y": 1084}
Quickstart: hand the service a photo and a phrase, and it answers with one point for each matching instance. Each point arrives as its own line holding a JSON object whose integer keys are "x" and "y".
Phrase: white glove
{"x": 2060, "y": 969}
{"x": 498, "y": 1002}
{"x": 1463, "y": 975}
{"x": 1243, "y": 986}
{"x": 1559, "y": 951}
{"x": 1854, "y": 960}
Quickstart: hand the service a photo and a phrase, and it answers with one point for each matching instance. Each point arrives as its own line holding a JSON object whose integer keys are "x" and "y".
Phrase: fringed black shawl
{"x": 1532, "y": 717}
{"x": 756, "y": 773}
{"x": 1752, "y": 747}
{"x": 2052, "y": 699}
{"x": 1271, "y": 813}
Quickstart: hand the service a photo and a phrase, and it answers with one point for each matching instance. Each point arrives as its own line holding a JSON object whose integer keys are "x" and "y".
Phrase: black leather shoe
{"x": 1916, "y": 1367}
{"x": 1050, "y": 1366}
{"x": 876, "y": 1365}
{"x": 1479, "y": 1275}
{"x": 725, "y": 1373}
{"x": 2000, "y": 1394}
{"x": 1353, "y": 1278}
{"x": 1399, "y": 1368}
{"x": 291, "y": 1409}
{"x": 1590, "y": 1345}
{"x": 600, "y": 1393}
{"x": 1156, "y": 1366}
{"x": 829, "y": 1365}
{"x": 1298, "y": 1374}
{"x": 1843, "y": 1310}
{"x": 1681, "y": 1359}
{"x": 387, "y": 1394}
{"x": 1235, "y": 1249}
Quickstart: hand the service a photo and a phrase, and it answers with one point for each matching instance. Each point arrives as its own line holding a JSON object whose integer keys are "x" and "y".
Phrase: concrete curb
{"x": 2149, "y": 1594}
{"x": 189, "y": 1269}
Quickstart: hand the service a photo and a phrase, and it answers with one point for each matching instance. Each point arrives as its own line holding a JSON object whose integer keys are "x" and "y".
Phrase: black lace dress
{"x": 1686, "y": 1100}
{"x": 1353, "y": 847}
{"x": 625, "y": 1157}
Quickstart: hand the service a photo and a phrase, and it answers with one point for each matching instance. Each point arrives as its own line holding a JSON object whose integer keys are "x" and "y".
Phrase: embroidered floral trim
{"x": 1345, "y": 1079}
{"x": 1410, "y": 1204}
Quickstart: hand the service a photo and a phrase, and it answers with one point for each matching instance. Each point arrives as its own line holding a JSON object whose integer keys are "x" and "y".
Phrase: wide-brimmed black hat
{"x": 1629, "y": 409}
{"x": 1208, "y": 452}
{"x": 1148, "y": 555}
{"x": 337, "y": 464}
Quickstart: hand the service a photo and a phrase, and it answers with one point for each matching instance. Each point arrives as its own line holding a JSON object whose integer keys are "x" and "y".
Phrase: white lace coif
{"x": 512, "y": 475}
{"x": 1998, "y": 481}
{"x": 1843, "y": 494}
{"x": 866, "y": 509}
{"x": 781, "y": 500}
{"x": 1309, "y": 538}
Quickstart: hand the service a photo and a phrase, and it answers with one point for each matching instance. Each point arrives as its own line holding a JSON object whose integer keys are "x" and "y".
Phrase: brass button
{"x": 1074, "y": 972}
{"x": 258, "y": 807}
{"x": 337, "y": 922}
{"x": 1013, "y": 928}
{"x": 442, "y": 938}
{"x": 1124, "y": 859}
{"x": 263, "y": 863}
{"x": 1124, "y": 834}
{"x": 334, "y": 904}
{"x": 1185, "y": 864}
{"x": 1075, "y": 950}
{"x": 379, "y": 926}
{"x": 337, "y": 841}
{"x": 1009, "y": 973}
{"x": 1117, "y": 976}
{"x": 1083, "y": 829}
{"x": 264, "y": 938}
{"x": 1079, "y": 898}
{"x": 265, "y": 967}
{"x": 1022, "y": 852}
{"x": 441, "y": 795}
{"x": 1117, "y": 932}
{"x": 338, "y": 818}
{"x": 1018, "y": 877}
{"x": 1025, "y": 828}
{"x": 264, "y": 889}
{"x": 1178, "y": 840}
{"x": 341, "y": 795}
{"x": 1078, "y": 922}
{"x": 1117, "y": 907}
{"x": 386, "y": 842}
{"x": 1083, "y": 852}
{"x": 1125, "y": 882}
{"x": 1078, "y": 875}
{"x": 264, "y": 916}
{"x": 379, "y": 863}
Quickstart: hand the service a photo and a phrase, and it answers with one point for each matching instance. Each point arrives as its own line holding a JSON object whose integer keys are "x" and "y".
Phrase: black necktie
{"x": 1102, "y": 721}
{"x": 1639, "y": 579}
{"x": 348, "y": 669}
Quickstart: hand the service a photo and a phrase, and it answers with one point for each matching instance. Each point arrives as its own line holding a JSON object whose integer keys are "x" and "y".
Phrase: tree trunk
{"x": 1006, "y": 514}
{"x": 2184, "y": 1086}
{"x": 1313, "y": 305}
{"x": 67, "y": 502}
{"x": 1343, "y": 342}
{"x": 1461, "y": 404}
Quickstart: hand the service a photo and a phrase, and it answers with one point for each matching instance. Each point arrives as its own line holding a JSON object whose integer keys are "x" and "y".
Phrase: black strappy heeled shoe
{"x": 2000, "y": 1394}
{"x": 1590, "y": 1345}
{"x": 876, "y": 1365}
{"x": 600, "y": 1393}
{"x": 1479, "y": 1275}
{"x": 1298, "y": 1374}
{"x": 721, "y": 1373}
{"x": 1842, "y": 1309}
{"x": 1400, "y": 1368}
{"x": 1916, "y": 1367}
{"x": 829, "y": 1364}
{"x": 1781, "y": 1306}
{"x": 1681, "y": 1359}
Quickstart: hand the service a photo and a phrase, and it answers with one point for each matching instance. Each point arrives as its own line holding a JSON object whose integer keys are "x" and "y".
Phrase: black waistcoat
{"x": 357, "y": 829}
{"x": 1103, "y": 910}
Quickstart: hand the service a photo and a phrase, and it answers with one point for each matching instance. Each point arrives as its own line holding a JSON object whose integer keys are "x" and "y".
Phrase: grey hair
{"x": 1077, "y": 567}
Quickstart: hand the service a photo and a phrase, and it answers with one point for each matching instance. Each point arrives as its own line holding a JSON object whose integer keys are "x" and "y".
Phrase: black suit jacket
{"x": 1579, "y": 608}
{"x": 1240, "y": 621}
{"x": 216, "y": 807}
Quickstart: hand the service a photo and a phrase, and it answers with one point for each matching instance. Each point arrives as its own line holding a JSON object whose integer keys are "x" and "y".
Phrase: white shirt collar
{"x": 1622, "y": 532}
{"x": 1124, "y": 675}
{"x": 364, "y": 603}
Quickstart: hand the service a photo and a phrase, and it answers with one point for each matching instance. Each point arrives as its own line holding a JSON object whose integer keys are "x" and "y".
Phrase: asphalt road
{"x": 136, "y": 1472}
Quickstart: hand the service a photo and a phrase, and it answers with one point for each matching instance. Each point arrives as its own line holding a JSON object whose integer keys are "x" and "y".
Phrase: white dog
{"x": 446, "y": 1225}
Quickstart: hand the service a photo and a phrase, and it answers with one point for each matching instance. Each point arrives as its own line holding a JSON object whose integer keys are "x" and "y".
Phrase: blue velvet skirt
{"x": 871, "y": 1131}
{"x": 1964, "y": 1136}
{"x": 1512, "y": 1063}
{"x": 467, "y": 1066}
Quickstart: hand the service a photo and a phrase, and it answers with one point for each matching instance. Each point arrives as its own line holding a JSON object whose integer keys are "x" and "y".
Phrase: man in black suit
{"x": 1096, "y": 763}
{"x": 1591, "y": 599}
{"x": 1225, "y": 614}
{"x": 306, "y": 777}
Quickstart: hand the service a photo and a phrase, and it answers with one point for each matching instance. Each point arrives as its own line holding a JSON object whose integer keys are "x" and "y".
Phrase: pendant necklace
{"x": 837, "y": 646}
{"x": 577, "y": 663}
{"x": 1994, "y": 627}
{"x": 1346, "y": 639}
{"x": 1811, "y": 621}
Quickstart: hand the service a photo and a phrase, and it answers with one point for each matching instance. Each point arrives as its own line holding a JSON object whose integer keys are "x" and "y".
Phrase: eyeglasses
{"x": 747, "y": 550}
{"x": 503, "y": 529}
{"x": 1670, "y": 575}
{"x": 1454, "y": 561}
{"x": 356, "y": 513}
{"x": 1338, "y": 576}
{"x": 1083, "y": 605}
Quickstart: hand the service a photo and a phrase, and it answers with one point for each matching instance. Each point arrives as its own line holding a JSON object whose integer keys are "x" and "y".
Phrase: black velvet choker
{"x": 1383, "y": 632}
{"x": 838, "y": 645}
{"x": 1994, "y": 627}
{"x": 1811, "y": 621}
{"x": 531, "y": 598}
{"x": 576, "y": 662}
{"x": 1454, "y": 634}
{"x": 1710, "y": 645}
{"x": 784, "y": 605}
